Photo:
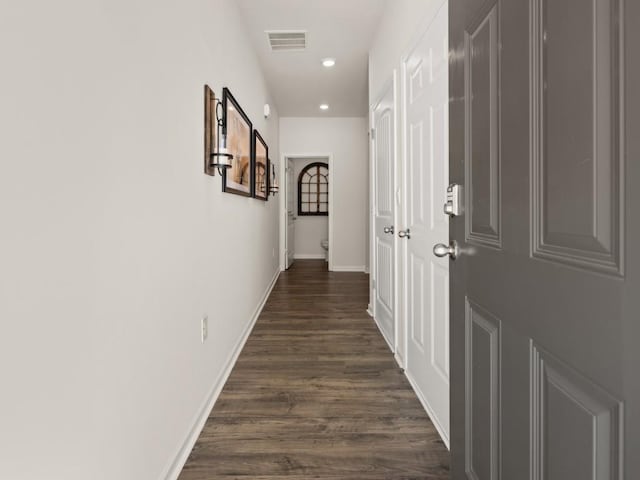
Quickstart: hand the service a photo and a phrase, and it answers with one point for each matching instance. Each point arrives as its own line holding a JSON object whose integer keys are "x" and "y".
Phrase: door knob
{"x": 388, "y": 229}
{"x": 442, "y": 250}
{"x": 405, "y": 233}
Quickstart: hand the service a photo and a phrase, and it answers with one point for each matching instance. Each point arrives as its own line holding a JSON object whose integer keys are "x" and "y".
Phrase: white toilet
{"x": 325, "y": 246}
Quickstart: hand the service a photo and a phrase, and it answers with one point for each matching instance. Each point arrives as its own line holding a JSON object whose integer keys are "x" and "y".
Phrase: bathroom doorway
{"x": 306, "y": 209}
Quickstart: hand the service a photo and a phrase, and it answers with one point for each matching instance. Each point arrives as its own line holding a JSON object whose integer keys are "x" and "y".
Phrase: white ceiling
{"x": 341, "y": 29}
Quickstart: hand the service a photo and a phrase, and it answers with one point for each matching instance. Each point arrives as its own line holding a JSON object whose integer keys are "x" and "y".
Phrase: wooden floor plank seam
{"x": 316, "y": 394}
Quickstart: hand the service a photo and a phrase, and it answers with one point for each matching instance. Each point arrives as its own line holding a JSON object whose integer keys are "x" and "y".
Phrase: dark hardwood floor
{"x": 317, "y": 394}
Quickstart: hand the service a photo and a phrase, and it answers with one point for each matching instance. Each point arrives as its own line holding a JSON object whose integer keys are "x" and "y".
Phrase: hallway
{"x": 316, "y": 394}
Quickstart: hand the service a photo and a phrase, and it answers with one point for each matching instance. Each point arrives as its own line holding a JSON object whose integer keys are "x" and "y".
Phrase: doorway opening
{"x": 306, "y": 209}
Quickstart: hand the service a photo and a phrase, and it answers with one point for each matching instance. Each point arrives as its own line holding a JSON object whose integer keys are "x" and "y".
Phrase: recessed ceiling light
{"x": 324, "y": 106}
{"x": 329, "y": 62}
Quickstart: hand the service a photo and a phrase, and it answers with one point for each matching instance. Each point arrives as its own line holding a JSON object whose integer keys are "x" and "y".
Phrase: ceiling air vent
{"x": 282, "y": 40}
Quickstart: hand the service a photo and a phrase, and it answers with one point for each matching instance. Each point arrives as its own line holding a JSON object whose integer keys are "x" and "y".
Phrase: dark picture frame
{"x": 238, "y": 178}
{"x": 260, "y": 163}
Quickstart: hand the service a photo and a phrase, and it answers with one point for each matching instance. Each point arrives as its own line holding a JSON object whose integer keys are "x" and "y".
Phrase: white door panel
{"x": 426, "y": 179}
{"x": 384, "y": 213}
{"x": 385, "y": 273}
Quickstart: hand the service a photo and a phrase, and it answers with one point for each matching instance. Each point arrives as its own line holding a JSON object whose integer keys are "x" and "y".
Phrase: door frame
{"x": 390, "y": 84}
{"x": 402, "y": 218}
{"x": 283, "y": 202}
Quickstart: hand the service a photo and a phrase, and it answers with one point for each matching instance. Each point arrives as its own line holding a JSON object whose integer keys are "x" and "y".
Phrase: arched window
{"x": 313, "y": 189}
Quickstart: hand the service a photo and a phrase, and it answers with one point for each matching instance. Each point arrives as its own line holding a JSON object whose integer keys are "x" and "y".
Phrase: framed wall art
{"x": 260, "y": 167}
{"x": 237, "y": 128}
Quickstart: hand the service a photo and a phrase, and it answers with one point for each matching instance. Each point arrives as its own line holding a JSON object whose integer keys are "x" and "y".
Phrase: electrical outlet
{"x": 204, "y": 328}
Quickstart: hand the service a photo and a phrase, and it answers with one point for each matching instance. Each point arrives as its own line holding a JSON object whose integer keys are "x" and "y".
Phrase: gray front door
{"x": 545, "y": 292}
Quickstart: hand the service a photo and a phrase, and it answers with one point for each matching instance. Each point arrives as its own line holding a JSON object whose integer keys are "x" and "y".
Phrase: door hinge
{"x": 373, "y": 134}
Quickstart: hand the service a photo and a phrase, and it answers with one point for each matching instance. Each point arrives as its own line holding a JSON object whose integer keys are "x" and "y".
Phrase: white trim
{"x": 282, "y": 201}
{"x": 384, "y": 335}
{"x": 403, "y": 261}
{"x": 283, "y": 207}
{"x": 348, "y": 268}
{"x": 396, "y": 214}
{"x": 309, "y": 256}
{"x": 373, "y": 268}
{"x": 428, "y": 409}
{"x": 399, "y": 360}
{"x": 176, "y": 466}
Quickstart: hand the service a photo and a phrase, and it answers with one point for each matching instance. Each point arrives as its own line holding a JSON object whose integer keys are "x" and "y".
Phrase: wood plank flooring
{"x": 317, "y": 394}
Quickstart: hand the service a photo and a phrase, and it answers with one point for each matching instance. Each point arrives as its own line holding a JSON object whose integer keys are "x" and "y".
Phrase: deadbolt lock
{"x": 453, "y": 207}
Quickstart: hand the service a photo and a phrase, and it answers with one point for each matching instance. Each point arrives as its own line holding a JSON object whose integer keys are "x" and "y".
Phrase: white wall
{"x": 309, "y": 230}
{"x": 346, "y": 140}
{"x": 402, "y": 22}
{"x": 113, "y": 243}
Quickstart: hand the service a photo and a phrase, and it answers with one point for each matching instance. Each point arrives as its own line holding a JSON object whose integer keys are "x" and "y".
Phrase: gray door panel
{"x": 545, "y": 296}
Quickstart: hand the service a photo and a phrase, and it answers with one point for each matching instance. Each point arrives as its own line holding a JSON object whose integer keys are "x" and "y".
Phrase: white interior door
{"x": 426, "y": 175}
{"x": 291, "y": 214}
{"x": 384, "y": 213}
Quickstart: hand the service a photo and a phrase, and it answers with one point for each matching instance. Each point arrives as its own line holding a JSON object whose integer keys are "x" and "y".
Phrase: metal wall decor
{"x": 273, "y": 183}
{"x": 209, "y": 129}
{"x": 216, "y": 155}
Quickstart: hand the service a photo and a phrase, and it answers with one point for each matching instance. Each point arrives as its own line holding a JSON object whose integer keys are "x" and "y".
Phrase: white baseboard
{"x": 384, "y": 335}
{"x": 399, "y": 359}
{"x": 309, "y": 256}
{"x": 428, "y": 409}
{"x": 176, "y": 466}
{"x": 348, "y": 268}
